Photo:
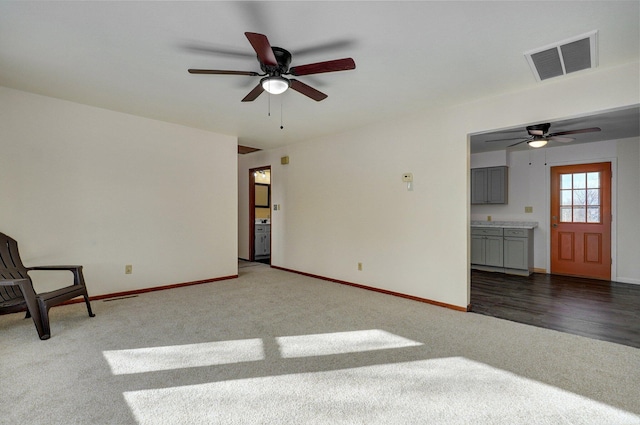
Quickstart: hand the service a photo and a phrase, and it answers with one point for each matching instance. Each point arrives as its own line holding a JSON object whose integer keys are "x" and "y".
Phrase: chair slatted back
{"x": 11, "y": 267}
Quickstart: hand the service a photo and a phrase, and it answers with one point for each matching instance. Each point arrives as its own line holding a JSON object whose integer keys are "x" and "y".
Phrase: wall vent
{"x": 564, "y": 57}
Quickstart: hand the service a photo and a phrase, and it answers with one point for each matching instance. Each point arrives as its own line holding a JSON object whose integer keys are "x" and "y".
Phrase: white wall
{"x": 529, "y": 186}
{"x": 83, "y": 185}
{"x": 627, "y": 211}
{"x": 343, "y": 200}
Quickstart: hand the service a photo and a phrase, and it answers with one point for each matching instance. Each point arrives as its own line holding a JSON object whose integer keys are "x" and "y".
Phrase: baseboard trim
{"x": 382, "y": 291}
{"x": 152, "y": 289}
{"x": 543, "y": 271}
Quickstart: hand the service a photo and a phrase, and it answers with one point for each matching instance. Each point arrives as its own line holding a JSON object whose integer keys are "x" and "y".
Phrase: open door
{"x": 581, "y": 220}
{"x": 260, "y": 214}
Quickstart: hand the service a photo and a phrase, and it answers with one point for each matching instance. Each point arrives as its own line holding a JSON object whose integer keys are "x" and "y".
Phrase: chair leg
{"x": 45, "y": 332}
{"x": 86, "y": 300}
{"x": 33, "y": 308}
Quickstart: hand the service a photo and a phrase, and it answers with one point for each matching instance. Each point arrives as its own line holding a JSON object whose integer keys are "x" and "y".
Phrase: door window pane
{"x": 579, "y": 180}
{"x": 593, "y": 215}
{"x": 593, "y": 197}
{"x": 593, "y": 180}
{"x": 565, "y": 181}
{"x": 566, "y": 214}
{"x": 579, "y": 197}
{"x": 565, "y": 197}
{"x": 579, "y": 215}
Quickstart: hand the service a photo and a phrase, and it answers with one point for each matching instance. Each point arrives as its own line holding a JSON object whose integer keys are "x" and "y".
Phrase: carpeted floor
{"x": 274, "y": 347}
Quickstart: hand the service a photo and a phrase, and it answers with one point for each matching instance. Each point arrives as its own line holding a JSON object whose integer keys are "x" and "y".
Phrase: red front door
{"x": 581, "y": 220}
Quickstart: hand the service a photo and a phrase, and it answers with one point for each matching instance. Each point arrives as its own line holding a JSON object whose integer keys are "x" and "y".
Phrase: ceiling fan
{"x": 274, "y": 62}
{"x": 539, "y": 135}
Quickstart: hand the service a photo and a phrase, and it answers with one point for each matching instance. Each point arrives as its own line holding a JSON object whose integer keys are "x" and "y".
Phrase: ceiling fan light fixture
{"x": 275, "y": 85}
{"x": 537, "y": 142}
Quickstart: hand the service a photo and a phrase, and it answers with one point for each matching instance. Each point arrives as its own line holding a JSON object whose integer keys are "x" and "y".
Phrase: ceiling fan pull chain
{"x": 269, "y": 104}
{"x": 545, "y": 157}
{"x": 281, "y": 126}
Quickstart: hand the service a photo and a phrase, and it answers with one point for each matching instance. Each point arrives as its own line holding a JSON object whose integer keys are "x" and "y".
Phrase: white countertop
{"x": 509, "y": 224}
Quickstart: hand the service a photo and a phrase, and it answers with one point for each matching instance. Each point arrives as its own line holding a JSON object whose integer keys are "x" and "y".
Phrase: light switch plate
{"x": 528, "y": 210}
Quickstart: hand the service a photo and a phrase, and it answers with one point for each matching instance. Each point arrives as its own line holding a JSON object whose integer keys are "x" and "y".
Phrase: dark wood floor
{"x": 608, "y": 311}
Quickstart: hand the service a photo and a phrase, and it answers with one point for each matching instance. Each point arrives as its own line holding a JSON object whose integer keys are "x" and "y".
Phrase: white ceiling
{"x": 410, "y": 56}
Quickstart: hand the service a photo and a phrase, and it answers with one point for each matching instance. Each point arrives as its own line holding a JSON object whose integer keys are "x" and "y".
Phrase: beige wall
{"x": 413, "y": 242}
{"x": 83, "y": 185}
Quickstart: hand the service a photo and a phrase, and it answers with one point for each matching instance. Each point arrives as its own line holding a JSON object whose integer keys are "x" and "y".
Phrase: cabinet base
{"x": 501, "y": 270}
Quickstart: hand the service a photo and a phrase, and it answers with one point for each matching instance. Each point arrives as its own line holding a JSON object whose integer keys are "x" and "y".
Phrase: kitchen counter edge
{"x": 506, "y": 224}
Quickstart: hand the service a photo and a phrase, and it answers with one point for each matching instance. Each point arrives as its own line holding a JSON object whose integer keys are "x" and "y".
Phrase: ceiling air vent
{"x": 574, "y": 54}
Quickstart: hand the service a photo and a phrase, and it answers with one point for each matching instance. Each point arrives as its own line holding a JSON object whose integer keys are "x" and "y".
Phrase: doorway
{"x": 581, "y": 220}
{"x": 260, "y": 214}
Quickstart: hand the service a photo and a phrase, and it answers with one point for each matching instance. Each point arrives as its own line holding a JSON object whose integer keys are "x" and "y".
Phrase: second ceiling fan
{"x": 539, "y": 135}
{"x": 274, "y": 63}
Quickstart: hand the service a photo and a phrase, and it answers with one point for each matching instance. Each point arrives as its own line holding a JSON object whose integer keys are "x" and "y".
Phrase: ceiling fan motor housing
{"x": 538, "y": 129}
{"x": 283, "y": 57}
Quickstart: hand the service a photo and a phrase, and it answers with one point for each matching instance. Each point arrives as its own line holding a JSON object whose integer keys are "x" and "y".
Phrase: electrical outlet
{"x": 360, "y": 266}
{"x": 128, "y": 269}
{"x": 407, "y": 177}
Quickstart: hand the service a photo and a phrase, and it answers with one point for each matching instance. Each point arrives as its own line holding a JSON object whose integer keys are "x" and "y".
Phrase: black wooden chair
{"x": 17, "y": 293}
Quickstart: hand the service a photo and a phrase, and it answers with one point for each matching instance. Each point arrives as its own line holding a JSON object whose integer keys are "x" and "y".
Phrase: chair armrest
{"x": 70, "y": 268}
{"x": 78, "y": 277}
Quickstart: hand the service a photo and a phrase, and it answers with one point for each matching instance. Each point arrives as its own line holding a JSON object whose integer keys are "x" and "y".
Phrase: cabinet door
{"x": 479, "y": 186}
{"x": 260, "y": 245}
{"x": 496, "y": 185}
{"x": 477, "y": 250}
{"x": 267, "y": 244}
{"x": 493, "y": 251}
{"x": 516, "y": 253}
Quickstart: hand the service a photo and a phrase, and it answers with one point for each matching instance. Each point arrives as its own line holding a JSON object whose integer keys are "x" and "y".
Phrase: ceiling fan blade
{"x": 320, "y": 67}
{"x": 307, "y": 90}
{"x": 261, "y": 45}
{"x": 562, "y": 139}
{"x": 253, "y": 94}
{"x": 222, "y": 72}
{"x": 502, "y": 140}
{"x": 583, "y": 130}
{"x": 521, "y": 141}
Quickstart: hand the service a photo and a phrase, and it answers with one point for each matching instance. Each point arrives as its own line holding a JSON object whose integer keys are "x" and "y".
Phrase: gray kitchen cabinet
{"x": 477, "y": 249}
{"x": 518, "y": 251}
{"x": 487, "y": 246}
{"x": 507, "y": 250}
{"x": 489, "y": 185}
{"x": 262, "y": 245}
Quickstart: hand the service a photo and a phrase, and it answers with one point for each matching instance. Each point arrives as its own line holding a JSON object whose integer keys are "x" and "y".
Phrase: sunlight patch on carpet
{"x": 151, "y": 359}
{"x": 448, "y": 391}
{"x": 340, "y": 343}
